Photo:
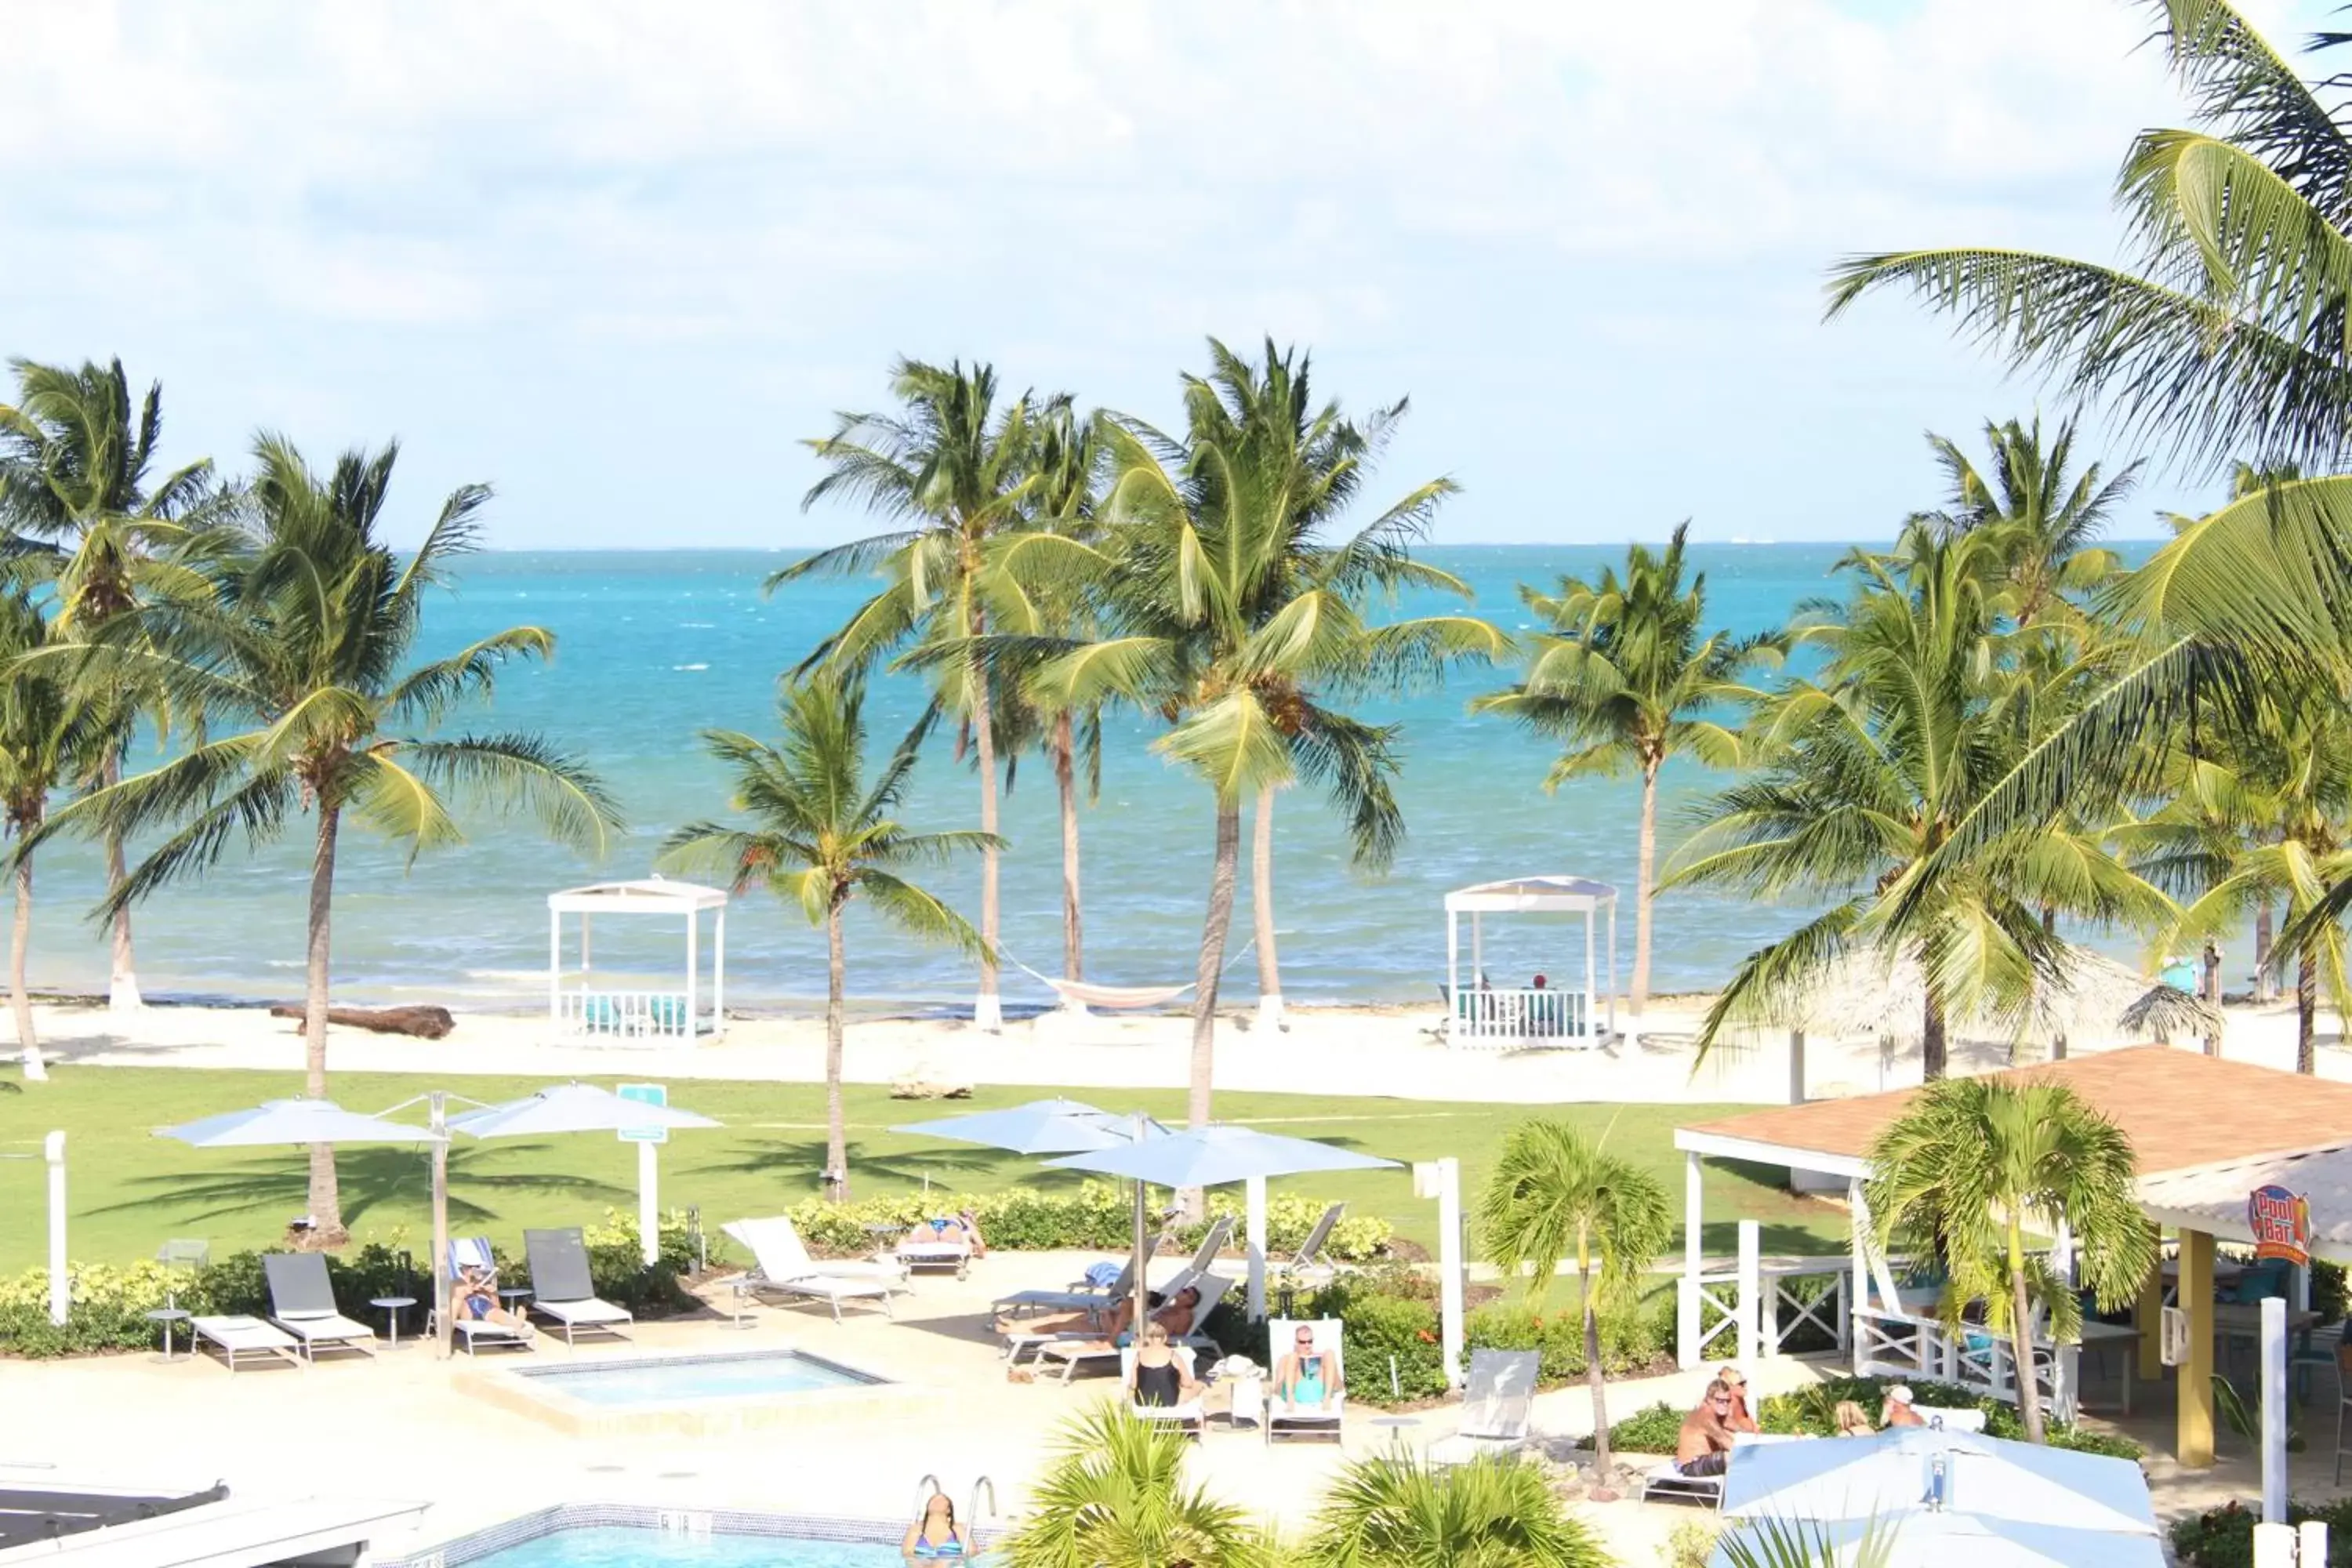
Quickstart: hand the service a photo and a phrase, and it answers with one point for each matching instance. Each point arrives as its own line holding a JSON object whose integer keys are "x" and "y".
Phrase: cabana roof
{"x": 2182, "y": 1109}
{"x": 2092, "y": 998}
{"x": 1532, "y": 895}
{"x": 2212, "y": 1198}
{"x": 646, "y": 896}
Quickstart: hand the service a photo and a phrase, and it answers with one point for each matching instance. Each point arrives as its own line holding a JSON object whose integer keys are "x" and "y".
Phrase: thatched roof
{"x": 2096, "y": 999}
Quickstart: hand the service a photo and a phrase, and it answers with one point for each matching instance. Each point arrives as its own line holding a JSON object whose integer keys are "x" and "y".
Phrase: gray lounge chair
{"x": 560, "y": 1285}
{"x": 303, "y": 1303}
{"x": 1498, "y": 1402}
{"x": 1307, "y": 1266}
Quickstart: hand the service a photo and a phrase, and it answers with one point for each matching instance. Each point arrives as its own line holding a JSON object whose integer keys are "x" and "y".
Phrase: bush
{"x": 1390, "y": 1346}
{"x": 1813, "y": 1412}
{"x": 2329, "y": 1297}
{"x": 1096, "y": 1217}
{"x": 2224, "y": 1537}
{"x": 1653, "y": 1429}
{"x": 1691, "y": 1545}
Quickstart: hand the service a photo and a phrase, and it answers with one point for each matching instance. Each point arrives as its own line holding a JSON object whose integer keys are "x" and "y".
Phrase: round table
{"x": 392, "y": 1307}
{"x": 166, "y": 1316}
{"x": 1397, "y": 1425}
{"x": 514, "y": 1296}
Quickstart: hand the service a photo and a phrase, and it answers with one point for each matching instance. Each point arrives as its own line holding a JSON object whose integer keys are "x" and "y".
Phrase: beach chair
{"x": 1309, "y": 1265}
{"x": 1192, "y": 1417}
{"x": 782, "y": 1267}
{"x": 1498, "y": 1402}
{"x": 1283, "y": 1419}
{"x": 1203, "y": 1262}
{"x": 935, "y": 1244}
{"x": 562, "y": 1288}
{"x": 1072, "y": 1352}
{"x": 303, "y": 1303}
{"x": 1668, "y": 1483}
{"x": 472, "y": 1253}
{"x": 241, "y": 1338}
{"x": 1080, "y": 1297}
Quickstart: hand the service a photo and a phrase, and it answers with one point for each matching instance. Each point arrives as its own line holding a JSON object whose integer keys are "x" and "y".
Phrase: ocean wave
{"x": 695, "y": 625}
{"x": 689, "y": 667}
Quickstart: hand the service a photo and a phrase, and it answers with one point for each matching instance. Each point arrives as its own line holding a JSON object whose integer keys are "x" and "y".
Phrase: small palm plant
{"x": 1498, "y": 1511}
{"x": 1115, "y": 1497}
{"x": 1557, "y": 1194}
{"x": 823, "y": 836}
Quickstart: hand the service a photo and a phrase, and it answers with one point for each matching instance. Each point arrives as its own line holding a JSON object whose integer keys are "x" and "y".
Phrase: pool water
{"x": 677, "y": 1379}
{"x": 623, "y": 1546}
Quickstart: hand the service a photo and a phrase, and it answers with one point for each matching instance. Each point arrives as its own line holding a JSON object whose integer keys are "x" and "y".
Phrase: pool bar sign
{"x": 2281, "y": 1223}
{"x": 644, "y": 1094}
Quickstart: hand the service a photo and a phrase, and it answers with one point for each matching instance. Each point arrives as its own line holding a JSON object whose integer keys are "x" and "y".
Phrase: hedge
{"x": 1812, "y": 1413}
{"x": 111, "y": 1303}
{"x": 1098, "y": 1216}
{"x": 2224, "y": 1537}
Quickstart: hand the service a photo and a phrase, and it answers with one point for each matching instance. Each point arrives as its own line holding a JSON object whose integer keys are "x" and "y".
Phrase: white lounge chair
{"x": 1498, "y": 1402}
{"x": 1080, "y": 1297}
{"x": 303, "y": 1303}
{"x": 1325, "y": 1418}
{"x": 472, "y": 1254}
{"x": 1307, "y": 1266}
{"x": 1075, "y": 1351}
{"x": 562, "y": 1289}
{"x": 782, "y": 1267}
{"x": 1189, "y": 1417}
{"x": 242, "y": 1339}
{"x": 1669, "y": 1483}
{"x": 930, "y": 1245}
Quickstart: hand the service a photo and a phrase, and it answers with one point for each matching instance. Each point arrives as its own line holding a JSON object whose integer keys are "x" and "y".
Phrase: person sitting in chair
{"x": 474, "y": 1297}
{"x": 1703, "y": 1447}
{"x": 1305, "y": 1375}
{"x": 1897, "y": 1410}
{"x": 1160, "y": 1381}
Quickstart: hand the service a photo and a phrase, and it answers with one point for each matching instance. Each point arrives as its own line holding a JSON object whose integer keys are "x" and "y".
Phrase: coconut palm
{"x": 1972, "y": 1165}
{"x": 75, "y": 488}
{"x": 1627, "y": 677}
{"x": 1234, "y": 608}
{"x": 1496, "y": 1511}
{"x": 955, "y": 471}
{"x": 2044, "y": 515}
{"x": 45, "y": 736}
{"x": 823, "y": 838}
{"x": 1557, "y": 1194}
{"x": 1113, "y": 1497}
{"x": 297, "y": 664}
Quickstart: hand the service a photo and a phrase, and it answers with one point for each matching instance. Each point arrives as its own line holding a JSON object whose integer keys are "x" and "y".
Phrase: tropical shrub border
{"x": 1811, "y": 1411}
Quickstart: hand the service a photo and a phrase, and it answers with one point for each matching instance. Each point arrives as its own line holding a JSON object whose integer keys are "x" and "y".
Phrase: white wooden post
{"x": 693, "y": 963}
{"x": 2065, "y": 1360}
{"x": 718, "y": 974}
{"x": 1254, "y": 1237}
{"x": 1453, "y": 976}
{"x": 1688, "y": 1317}
{"x": 1858, "y": 1295}
{"x": 1796, "y": 1066}
{"x": 53, "y": 1149}
{"x": 1612, "y": 966}
{"x": 1478, "y": 948}
{"x": 2273, "y": 1410}
{"x": 649, "y": 1200}
{"x": 1592, "y": 977}
{"x": 586, "y": 919}
{"x": 1751, "y": 1283}
{"x": 554, "y": 968}
{"x": 1441, "y": 1180}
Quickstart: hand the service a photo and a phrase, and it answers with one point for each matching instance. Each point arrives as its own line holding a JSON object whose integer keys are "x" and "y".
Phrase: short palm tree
{"x": 1626, "y": 676}
{"x": 1115, "y": 1496}
{"x": 296, "y": 666}
{"x": 1496, "y": 1511}
{"x": 1557, "y": 1194}
{"x": 823, "y": 836}
{"x": 75, "y": 486}
{"x": 954, "y": 472}
{"x": 1972, "y": 1165}
{"x": 44, "y": 737}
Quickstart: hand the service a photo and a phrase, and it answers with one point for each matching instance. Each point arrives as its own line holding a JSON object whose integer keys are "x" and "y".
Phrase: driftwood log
{"x": 424, "y": 1023}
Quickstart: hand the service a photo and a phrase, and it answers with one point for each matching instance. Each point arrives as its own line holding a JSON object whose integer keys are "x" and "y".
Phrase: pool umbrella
{"x": 1922, "y": 1539}
{"x": 1956, "y": 1473}
{"x": 1040, "y": 1127}
{"x": 1214, "y": 1156}
{"x": 293, "y": 1121}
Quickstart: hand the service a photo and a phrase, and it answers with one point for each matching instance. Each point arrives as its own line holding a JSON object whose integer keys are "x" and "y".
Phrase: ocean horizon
{"x": 654, "y": 647}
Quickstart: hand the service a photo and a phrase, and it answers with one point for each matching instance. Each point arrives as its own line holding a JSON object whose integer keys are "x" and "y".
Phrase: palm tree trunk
{"x": 836, "y": 1126}
{"x": 2263, "y": 950}
{"x": 2306, "y": 1011}
{"x": 2021, "y": 1339}
{"x": 1932, "y": 1049}
{"x": 1213, "y": 929}
{"x": 1603, "y": 1466}
{"x": 1644, "y": 876}
{"x": 122, "y": 975}
{"x": 1065, "y": 780}
{"x": 326, "y": 1197}
{"x": 20, "y": 1001}
{"x": 1269, "y": 965}
{"x": 988, "y": 1012}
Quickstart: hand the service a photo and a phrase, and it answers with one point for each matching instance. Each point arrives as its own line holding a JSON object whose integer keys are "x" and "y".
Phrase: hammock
{"x": 1116, "y": 998}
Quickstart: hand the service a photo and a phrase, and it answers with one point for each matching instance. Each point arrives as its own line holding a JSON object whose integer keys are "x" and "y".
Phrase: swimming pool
{"x": 630, "y": 1535}
{"x": 673, "y": 1380}
{"x": 691, "y": 1395}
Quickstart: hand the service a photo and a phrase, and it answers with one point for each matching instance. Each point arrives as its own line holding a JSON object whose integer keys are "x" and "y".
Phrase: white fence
{"x": 1522, "y": 1015}
{"x": 634, "y": 1014}
{"x": 1909, "y": 1346}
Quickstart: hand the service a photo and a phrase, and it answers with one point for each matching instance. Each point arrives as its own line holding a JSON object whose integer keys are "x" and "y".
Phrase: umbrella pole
{"x": 440, "y": 1124}
{"x": 1142, "y": 1294}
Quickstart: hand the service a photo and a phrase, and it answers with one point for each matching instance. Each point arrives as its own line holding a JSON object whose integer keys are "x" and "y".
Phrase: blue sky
{"x": 618, "y": 259}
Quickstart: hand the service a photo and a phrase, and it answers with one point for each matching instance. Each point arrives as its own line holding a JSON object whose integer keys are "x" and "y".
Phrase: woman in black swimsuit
{"x": 1161, "y": 1382}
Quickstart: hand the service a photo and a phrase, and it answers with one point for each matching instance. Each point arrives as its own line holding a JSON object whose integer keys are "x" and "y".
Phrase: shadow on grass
{"x": 801, "y": 1161}
{"x": 368, "y": 1178}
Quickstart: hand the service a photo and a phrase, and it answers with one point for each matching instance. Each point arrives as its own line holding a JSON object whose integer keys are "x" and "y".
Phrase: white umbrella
{"x": 1922, "y": 1539}
{"x": 571, "y": 1107}
{"x": 1040, "y": 1127}
{"x": 293, "y": 1121}
{"x": 1956, "y": 1472}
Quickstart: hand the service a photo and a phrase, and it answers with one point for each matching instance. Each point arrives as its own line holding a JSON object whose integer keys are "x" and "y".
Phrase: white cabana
{"x": 577, "y": 1004}
{"x": 1491, "y": 1016}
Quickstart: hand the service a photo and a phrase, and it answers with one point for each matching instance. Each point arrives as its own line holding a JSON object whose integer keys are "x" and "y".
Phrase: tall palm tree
{"x": 44, "y": 735}
{"x": 1971, "y": 1164}
{"x": 75, "y": 483}
{"x": 823, "y": 838}
{"x": 1113, "y": 1497}
{"x": 297, "y": 664}
{"x": 1557, "y": 1194}
{"x": 1498, "y": 1511}
{"x": 1235, "y": 609}
{"x": 954, "y": 472}
{"x": 2046, "y": 516}
{"x": 1627, "y": 677}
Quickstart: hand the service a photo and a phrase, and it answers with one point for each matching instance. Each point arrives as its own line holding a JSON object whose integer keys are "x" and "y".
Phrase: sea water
{"x": 654, "y": 647}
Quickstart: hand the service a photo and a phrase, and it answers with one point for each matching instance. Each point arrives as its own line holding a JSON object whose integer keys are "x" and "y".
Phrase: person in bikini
{"x": 1161, "y": 1380}
{"x": 474, "y": 1297}
{"x": 937, "y": 1533}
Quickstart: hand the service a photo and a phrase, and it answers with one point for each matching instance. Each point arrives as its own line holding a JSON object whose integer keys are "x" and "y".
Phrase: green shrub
{"x": 1653, "y": 1429}
{"x": 1811, "y": 1411}
{"x": 2224, "y": 1537}
{"x": 1390, "y": 1346}
{"x": 2329, "y": 1296}
{"x": 1096, "y": 1217}
{"x": 1692, "y": 1545}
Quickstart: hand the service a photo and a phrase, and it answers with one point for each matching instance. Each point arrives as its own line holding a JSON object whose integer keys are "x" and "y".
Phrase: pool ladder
{"x": 928, "y": 1488}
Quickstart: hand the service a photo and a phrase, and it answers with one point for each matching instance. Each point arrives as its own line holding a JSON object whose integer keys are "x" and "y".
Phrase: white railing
{"x": 1726, "y": 1316}
{"x": 1522, "y": 1017}
{"x": 1900, "y": 1344}
{"x": 633, "y": 1014}
{"x": 1825, "y": 1311}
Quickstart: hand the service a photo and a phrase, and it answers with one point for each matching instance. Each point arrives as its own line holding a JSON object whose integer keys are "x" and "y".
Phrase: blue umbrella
{"x": 1040, "y": 1127}
{"x": 295, "y": 1122}
{"x": 1920, "y": 1538}
{"x": 571, "y": 1107}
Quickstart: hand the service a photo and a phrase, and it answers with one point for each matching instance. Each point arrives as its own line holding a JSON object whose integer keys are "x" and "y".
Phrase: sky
{"x": 620, "y": 260}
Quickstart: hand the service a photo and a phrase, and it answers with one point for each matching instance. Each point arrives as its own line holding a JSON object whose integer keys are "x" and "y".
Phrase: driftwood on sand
{"x": 424, "y": 1023}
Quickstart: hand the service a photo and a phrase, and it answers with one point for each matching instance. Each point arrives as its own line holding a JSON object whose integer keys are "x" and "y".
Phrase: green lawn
{"x": 130, "y": 1190}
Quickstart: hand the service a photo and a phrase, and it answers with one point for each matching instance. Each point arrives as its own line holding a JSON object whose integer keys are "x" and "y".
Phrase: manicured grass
{"x": 129, "y": 1190}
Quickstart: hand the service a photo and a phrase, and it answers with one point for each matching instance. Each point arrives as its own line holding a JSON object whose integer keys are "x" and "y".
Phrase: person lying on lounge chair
{"x": 1160, "y": 1379}
{"x": 1175, "y": 1316}
{"x": 1304, "y": 1375}
{"x": 475, "y": 1298}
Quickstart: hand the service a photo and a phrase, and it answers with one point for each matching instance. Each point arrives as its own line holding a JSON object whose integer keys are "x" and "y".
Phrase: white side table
{"x": 1248, "y": 1401}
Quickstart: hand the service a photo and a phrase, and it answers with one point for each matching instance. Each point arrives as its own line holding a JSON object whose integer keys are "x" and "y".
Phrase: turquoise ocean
{"x": 654, "y": 647}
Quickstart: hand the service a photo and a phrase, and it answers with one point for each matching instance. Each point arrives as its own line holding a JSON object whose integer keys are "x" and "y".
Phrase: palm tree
{"x": 823, "y": 837}
{"x": 1115, "y": 1496}
{"x": 1971, "y": 1164}
{"x": 75, "y": 483}
{"x": 1496, "y": 1511}
{"x": 1557, "y": 1194}
{"x": 1627, "y": 678}
{"x": 44, "y": 737}
{"x": 1232, "y": 610}
{"x": 304, "y": 642}
{"x": 956, "y": 473}
{"x": 2044, "y": 517}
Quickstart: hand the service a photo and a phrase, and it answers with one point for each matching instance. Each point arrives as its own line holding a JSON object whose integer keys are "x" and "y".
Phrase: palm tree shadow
{"x": 369, "y": 1177}
{"x": 951, "y": 1169}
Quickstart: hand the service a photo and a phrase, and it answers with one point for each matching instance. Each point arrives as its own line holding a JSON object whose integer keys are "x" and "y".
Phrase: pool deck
{"x": 408, "y": 1425}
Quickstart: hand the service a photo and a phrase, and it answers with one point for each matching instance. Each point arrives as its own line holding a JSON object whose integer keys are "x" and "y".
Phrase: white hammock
{"x": 1116, "y": 998}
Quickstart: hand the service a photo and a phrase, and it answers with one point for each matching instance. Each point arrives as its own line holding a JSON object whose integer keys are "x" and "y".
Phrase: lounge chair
{"x": 782, "y": 1267}
{"x": 1080, "y": 1297}
{"x": 243, "y": 1338}
{"x": 562, "y": 1288}
{"x": 473, "y": 1252}
{"x": 932, "y": 1246}
{"x": 1189, "y": 1417}
{"x": 1202, "y": 1264}
{"x": 1307, "y": 1266}
{"x": 1075, "y": 1351}
{"x": 1283, "y": 1419}
{"x": 1668, "y": 1483}
{"x": 303, "y": 1303}
{"x": 1498, "y": 1402}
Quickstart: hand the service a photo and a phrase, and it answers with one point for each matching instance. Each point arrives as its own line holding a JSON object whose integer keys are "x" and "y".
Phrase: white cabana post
{"x": 577, "y": 1004}
{"x": 1478, "y": 1014}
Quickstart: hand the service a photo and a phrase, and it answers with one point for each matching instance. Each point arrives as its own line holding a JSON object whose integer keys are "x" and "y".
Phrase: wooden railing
{"x": 1522, "y": 1017}
{"x": 635, "y": 1014}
